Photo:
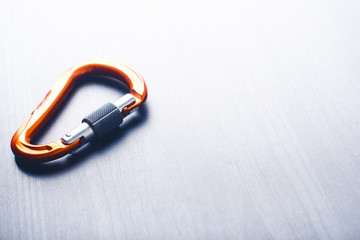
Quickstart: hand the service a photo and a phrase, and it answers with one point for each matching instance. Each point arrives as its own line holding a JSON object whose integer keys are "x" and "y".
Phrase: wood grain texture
{"x": 251, "y": 129}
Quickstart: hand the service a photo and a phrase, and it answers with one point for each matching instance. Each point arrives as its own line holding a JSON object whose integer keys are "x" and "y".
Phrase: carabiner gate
{"x": 96, "y": 124}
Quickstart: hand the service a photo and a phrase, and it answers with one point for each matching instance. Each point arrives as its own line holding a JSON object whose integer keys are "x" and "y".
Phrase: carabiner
{"x": 96, "y": 124}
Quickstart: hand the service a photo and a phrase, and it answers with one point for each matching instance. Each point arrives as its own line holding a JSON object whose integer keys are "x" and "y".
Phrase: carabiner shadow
{"x": 75, "y": 159}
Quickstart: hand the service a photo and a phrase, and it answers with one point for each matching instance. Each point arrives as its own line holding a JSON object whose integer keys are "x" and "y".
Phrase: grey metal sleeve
{"x": 100, "y": 121}
{"x": 104, "y": 119}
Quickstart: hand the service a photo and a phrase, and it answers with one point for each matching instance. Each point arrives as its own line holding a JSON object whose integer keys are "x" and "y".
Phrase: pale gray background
{"x": 251, "y": 129}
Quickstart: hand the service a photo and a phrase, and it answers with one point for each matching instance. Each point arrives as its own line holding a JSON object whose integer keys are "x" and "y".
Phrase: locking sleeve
{"x": 104, "y": 119}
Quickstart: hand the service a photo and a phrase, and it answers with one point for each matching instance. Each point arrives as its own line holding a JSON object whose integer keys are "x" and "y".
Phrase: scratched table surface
{"x": 251, "y": 129}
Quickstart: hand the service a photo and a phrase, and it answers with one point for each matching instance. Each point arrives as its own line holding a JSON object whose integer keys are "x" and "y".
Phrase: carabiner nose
{"x": 96, "y": 124}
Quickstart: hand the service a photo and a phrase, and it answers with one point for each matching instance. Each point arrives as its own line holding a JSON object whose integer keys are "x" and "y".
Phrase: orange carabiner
{"x": 20, "y": 143}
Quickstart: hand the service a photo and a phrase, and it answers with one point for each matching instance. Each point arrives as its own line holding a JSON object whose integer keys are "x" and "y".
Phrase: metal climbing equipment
{"x": 96, "y": 124}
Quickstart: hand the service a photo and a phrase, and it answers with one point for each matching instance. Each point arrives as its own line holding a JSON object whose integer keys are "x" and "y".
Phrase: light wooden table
{"x": 251, "y": 129}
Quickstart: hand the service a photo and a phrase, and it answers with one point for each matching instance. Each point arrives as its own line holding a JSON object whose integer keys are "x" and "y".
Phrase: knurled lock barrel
{"x": 104, "y": 119}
